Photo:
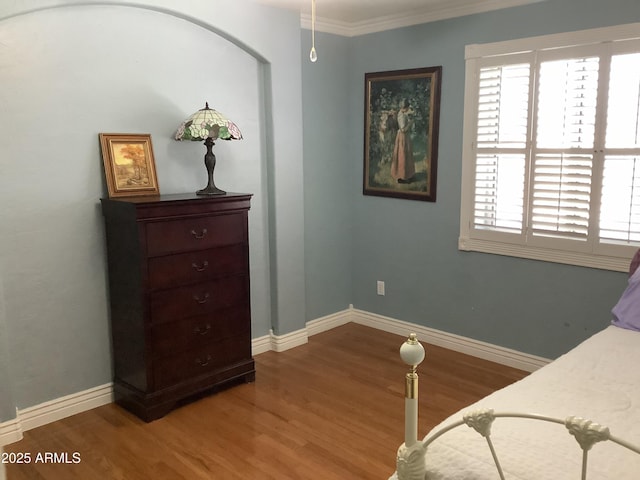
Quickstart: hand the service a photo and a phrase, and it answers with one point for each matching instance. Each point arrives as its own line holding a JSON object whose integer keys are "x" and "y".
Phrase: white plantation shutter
{"x": 561, "y": 193}
{"x": 620, "y": 204}
{"x": 563, "y": 151}
{"x": 567, "y": 98}
{"x": 623, "y": 113}
{"x": 503, "y": 106}
{"x": 620, "y": 200}
{"x": 499, "y": 192}
{"x": 551, "y": 157}
{"x": 501, "y": 141}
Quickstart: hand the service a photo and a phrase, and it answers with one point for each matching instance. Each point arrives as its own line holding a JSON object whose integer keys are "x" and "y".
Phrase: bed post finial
{"x": 412, "y": 353}
{"x": 410, "y": 458}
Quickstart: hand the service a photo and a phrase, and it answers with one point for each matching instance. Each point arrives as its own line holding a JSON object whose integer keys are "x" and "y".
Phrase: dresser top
{"x": 173, "y": 205}
{"x": 176, "y": 197}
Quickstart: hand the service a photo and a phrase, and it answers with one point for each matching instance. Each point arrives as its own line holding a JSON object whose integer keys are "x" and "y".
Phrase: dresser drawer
{"x": 194, "y": 267}
{"x": 195, "y": 233}
{"x": 198, "y": 299}
{"x": 181, "y": 367}
{"x": 193, "y": 332}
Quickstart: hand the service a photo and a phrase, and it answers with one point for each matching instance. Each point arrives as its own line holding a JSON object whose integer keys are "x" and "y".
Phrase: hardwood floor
{"x": 331, "y": 409}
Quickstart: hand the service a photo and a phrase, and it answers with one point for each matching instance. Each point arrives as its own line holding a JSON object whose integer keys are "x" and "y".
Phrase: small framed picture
{"x": 402, "y": 112}
{"x": 129, "y": 165}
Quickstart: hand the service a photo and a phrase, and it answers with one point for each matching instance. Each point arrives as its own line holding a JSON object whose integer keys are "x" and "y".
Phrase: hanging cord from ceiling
{"x": 313, "y": 55}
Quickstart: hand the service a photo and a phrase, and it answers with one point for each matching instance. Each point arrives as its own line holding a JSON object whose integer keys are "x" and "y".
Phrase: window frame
{"x": 592, "y": 253}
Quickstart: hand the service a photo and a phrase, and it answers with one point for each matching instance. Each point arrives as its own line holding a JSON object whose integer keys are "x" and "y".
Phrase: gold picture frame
{"x": 129, "y": 165}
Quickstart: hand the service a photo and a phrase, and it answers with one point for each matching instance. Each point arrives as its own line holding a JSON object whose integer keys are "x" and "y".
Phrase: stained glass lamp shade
{"x": 208, "y": 125}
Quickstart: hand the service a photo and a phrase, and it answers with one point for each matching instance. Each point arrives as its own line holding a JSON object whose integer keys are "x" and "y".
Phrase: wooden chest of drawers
{"x": 179, "y": 297}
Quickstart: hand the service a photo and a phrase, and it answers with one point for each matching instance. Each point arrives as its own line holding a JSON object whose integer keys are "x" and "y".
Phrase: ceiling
{"x": 357, "y": 17}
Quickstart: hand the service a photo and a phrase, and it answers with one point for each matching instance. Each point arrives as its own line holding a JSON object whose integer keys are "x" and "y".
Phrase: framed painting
{"x": 402, "y": 113}
{"x": 129, "y": 165}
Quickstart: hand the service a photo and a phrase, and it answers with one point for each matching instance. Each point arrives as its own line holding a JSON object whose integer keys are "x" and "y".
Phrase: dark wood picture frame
{"x": 129, "y": 165}
{"x": 402, "y": 115}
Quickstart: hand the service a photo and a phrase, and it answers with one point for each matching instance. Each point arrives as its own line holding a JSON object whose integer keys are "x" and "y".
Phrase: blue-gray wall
{"x": 328, "y": 214}
{"x": 7, "y": 408}
{"x": 71, "y": 69}
{"x": 534, "y": 307}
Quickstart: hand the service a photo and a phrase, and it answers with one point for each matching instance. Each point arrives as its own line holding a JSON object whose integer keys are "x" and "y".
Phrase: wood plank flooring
{"x": 331, "y": 409}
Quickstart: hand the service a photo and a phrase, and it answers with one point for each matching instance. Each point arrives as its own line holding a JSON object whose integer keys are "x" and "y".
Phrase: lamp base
{"x": 210, "y": 190}
{"x": 210, "y": 163}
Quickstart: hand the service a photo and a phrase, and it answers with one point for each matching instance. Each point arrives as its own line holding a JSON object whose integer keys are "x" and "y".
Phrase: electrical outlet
{"x": 380, "y": 287}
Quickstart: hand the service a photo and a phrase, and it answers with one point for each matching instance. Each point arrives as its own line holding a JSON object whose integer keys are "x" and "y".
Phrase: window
{"x": 551, "y": 155}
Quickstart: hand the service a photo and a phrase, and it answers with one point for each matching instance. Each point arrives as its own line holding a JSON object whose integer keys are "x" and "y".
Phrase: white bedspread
{"x": 598, "y": 380}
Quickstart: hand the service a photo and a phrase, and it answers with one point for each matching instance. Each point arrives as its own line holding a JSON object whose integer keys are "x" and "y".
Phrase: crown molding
{"x": 326, "y": 25}
{"x": 442, "y": 11}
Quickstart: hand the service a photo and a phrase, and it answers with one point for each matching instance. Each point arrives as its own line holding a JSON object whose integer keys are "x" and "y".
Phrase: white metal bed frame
{"x": 410, "y": 460}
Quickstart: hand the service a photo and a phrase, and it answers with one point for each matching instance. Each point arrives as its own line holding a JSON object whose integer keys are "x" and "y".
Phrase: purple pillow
{"x": 626, "y": 313}
{"x": 635, "y": 261}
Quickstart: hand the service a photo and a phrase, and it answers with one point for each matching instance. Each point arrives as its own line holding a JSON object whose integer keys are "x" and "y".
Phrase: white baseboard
{"x": 47, "y": 412}
{"x": 63, "y": 407}
{"x": 280, "y": 343}
{"x": 260, "y": 345}
{"x": 328, "y": 322}
{"x": 32, "y": 417}
{"x": 10, "y": 432}
{"x": 457, "y": 343}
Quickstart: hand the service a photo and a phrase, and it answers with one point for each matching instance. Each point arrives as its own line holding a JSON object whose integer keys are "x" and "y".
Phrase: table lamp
{"x": 208, "y": 125}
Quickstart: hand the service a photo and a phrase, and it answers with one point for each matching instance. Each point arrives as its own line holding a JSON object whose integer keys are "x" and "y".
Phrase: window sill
{"x": 602, "y": 262}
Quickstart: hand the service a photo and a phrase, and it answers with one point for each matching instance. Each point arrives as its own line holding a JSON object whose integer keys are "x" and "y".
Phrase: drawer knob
{"x": 202, "y": 330}
{"x": 203, "y": 363}
{"x": 201, "y": 299}
{"x": 200, "y": 268}
{"x": 199, "y": 236}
